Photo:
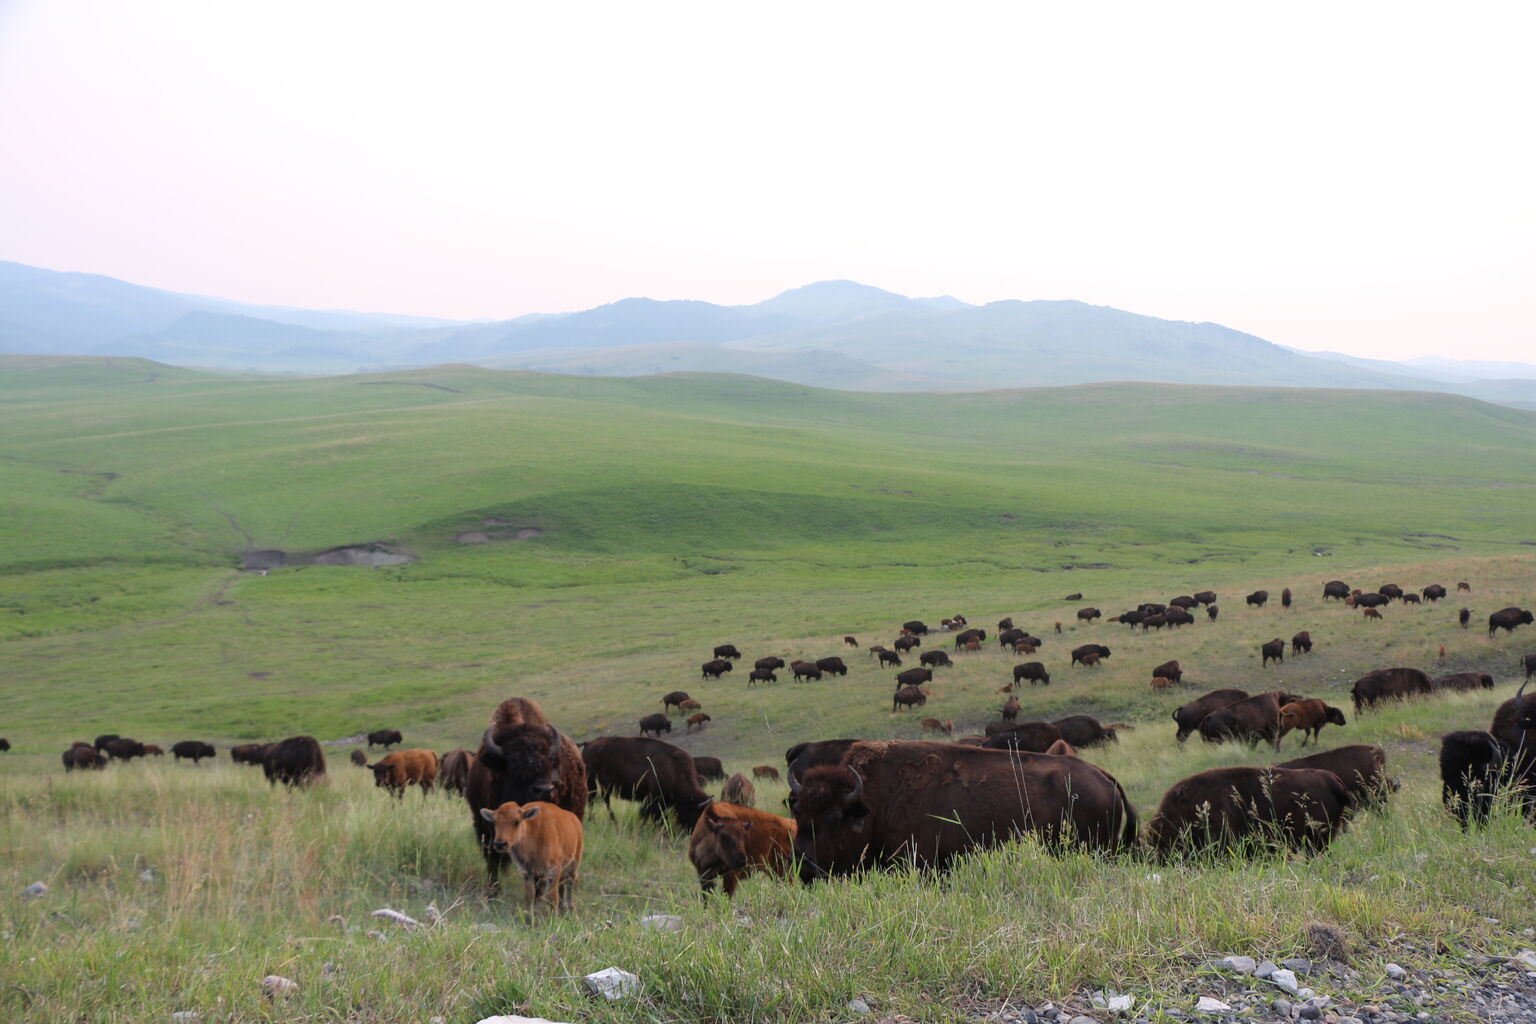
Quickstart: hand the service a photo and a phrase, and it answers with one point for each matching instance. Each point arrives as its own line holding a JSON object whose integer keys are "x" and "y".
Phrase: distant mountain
{"x": 1470, "y": 369}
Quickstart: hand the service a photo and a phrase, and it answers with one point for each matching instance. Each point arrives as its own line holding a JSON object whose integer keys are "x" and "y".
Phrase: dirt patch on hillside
{"x": 372, "y": 554}
{"x": 496, "y": 531}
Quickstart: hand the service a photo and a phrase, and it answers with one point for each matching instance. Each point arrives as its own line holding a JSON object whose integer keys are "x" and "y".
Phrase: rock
{"x": 35, "y": 890}
{"x": 329, "y": 967}
{"x": 662, "y": 922}
{"x": 274, "y": 985}
{"x": 1310, "y": 1013}
{"x": 1297, "y": 965}
{"x": 857, "y": 1005}
{"x": 403, "y": 920}
{"x": 1524, "y": 958}
{"x": 1307, "y": 994}
{"x": 1318, "y": 1001}
{"x": 1210, "y": 1004}
{"x": 1239, "y": 964}
{"x": 1285, "y": 979}
{"x": 1281, "y": 1007}
{"x": 186, "y": 1017}
{"x": 510, "y": 1018}
{"x": 611, "y": 983}
{"x": 1083, "y": 1018}
{"x": 1394, "y": 971}
{"x": 147, "y": 875}
{"x": 1120, "y": 1003}
{"x": 1264, "y": 970}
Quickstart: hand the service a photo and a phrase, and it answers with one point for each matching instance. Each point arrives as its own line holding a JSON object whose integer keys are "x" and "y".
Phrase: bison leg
{"x": 567, "y": 886}
{"x": 732, "y": 878}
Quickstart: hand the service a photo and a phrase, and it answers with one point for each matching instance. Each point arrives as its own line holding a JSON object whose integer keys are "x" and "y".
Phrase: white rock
{"x": 1394, "y": 971}
{"x": 1240, "y": 964}
{"x": 274, "y": 985}
{"x": 404, "y": 920}
{"x": 35, "y": 890}
{"x": 1120, "y": 1003}
{"x": 1209, "y": 1004}
{"x": 1286, "y": 980}
{"x": 662, "y": 922}
{"x": 611, "y": 983}
{"x": 511, "y": 1018}
{"x": 1312, "y": 997}
{"x": 857, "y": 1005}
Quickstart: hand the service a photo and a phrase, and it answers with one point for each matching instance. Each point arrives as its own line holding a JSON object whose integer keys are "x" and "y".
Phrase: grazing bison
{"x": 966, "y": 637}
{"x": 907, "y": 697}
{"x": 358, "y": 758}
{"x": 697, "y": 721}
{"x": 708, "y": 768}
{"x": 1131, "y": 618}
{"x": 1301, "y": 642}
{"x": 832, "y": 666}
{"x": 1473, "y": 770}
{"x": 690, "y": 705}
{"x": 295, "y": 761}
{"x": 849, "y": 641}
{"x": 761, "y": 675}
{"x": 1529, "y": 664}
{"x": 545, "y": 842}
{"x": 947, "y": 727}
{"x": 1371, "y": 600}
{"x": 102, "y": 741}
{"x": 727, "y": 651}
{"x": 1226, "y": 809}
{"x": 1183, "y": 601}
{"x": 153, "y": 750}
{"x": 655, "y": 774}
{"x": 906, "y": 643}
{"x": 1073, "y": 597}
{"x": 254, "y": 754}
{"x": 716, "y": 668}
{"x": 1030, "y": 737}
{"x": 404, "y": 768}
{"x": 124, "y": 749}
{"x": 674, "y": 700}
{"x": 738, "y": 789}
{"x": 1088, "y": 614}
{"x": 916, "y": 627}
{"x": 385, "y": 738}
{"x": 1433, "y": 592}
{"x": 83, "y": 755}
{"x": 1389, "y": 684}
{"x": 1176, "y": 617}
{"x": 765, "y": 771}
{"x": 193, "y": 750}
{"x": 892, "y": 658}
{"x": 1154, "y": 620}
{"x": 914, "y": 801}
{"x": 1336, "y": 589}
{"x": 656, "y": 724}
{"x": 1464, "y": 617}
{"x": 1409, "y": 599}
{"x": 1258, "y": 598}
{"x": 1211, "y": 611}
{"x": 1078, "y": 652}
{"x": 1285, "y": 598}
{"x": 1206, "y": 597}
{"x": 732, "y": 840}
{"x": 1390, "y": 591}
{"x": 933, "y": 659}
{"x": 1169, "y": 670}
{"x": 1464, "y": 681}
{"x": 1464, "y": 587}
{"x": 772, "y": 663}
{"x": 1249, "y": 721}
{"x": 1507, "y": 619}
{"x": 805, "y": 670}
{"x": 1371, "y": 613}
{"x": 5, "y": 745}
{"x": 1362, "y": 767}
{"x": 1189, "y": 716}
{"x": 1162, "y": 683}
{"x": 1010, "y": 710}
{"x": 1274, "y": 650}
{"x": 802, "y": 757}
{"x": 1011, "y": 634}
{"x": 1309, "y": 716}
{"x": 1086, "y": 731}
{"x": 1514, "y": 725}
{"x": 914, "y": 677}
{"x": 453, "y": 770}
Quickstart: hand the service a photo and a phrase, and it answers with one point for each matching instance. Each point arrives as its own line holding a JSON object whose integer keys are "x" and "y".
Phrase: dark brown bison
{"x": 1433, "y": 592}
{"x": 716, "y": 668}
{"x": 1231, "y": 809}
{"x": 1362, "y": 767}
{"x": 1206, "y": 597}
{"x": 915, "y": 627}
{"x": 522, "y": 759}
{"x": 1211, "y": 611}
{"x": 1258, "y": 598}
{"x": 1274, "y": 650}
{"x": 914, "y": 677}
{"x": 453, "y": 770}
{"x": 1189, "y": 716}
{"x": 193, "y": 750}
{"x": 771, "y": 663}
{"x": 1514, "y": 726}
{"x": 926, "y": 803}
{"x": 1084, "y": 731}
{"x": 1309, "y": 716}
{"x": 965, "y": 637}
{"x": 1182, "y": 601}
{"x": 889, "y": 658}
{"x": 933, "y": 659}
{"x": 727, "y": 651}
{"x": 5, "y": 745}
{"x": 655, "y": 774}
{"x": 1464, "y": 681}
{"x": 102, "y": 741}
{"x": 1030, "y": 737}
{"x": 83, "y": 756}
{"x": 1176, "y": 617}
{"x": 908, "y": 696}
{"x": 1507, "y": 619}
{"x": 403, "y": 768}
{"x": 708, "y": 768}
{"x": 1409, "y": 599}
{"x": 1011, "y": 708}
{"x": 1301, "y": 642}
{"x": 1389, "y": 684}
{"x": 124, "y": 749}
{"x": 1251, "y": 721}
{"x": 1285, "y": 597}
{"x": 832, "y": 666}
{"x": 385, "y": 738}
{"x": 1088, "y": 614}
{"x": 1169, "y": 670}
{"x": 1154, "y": 620}
{"x": 358, "y": 758}
{"x": 1078, "y": 652}
{"x": 1336, "y": 589}
{"x": 1464, "y": 617}
{"x": 1529, "y": 664}
{"x": 153, "y": 750}
{"x": 1131, "y": 618}
{"x": 738, "y": 789}
{"x": 761, "y": 675}
{"x": 1473, "y": 771}
{"x": 253, "y": 754}
{"x": 657, "y": 724}
{"x": 674, "y": 700}
{"x": 1371, "y": 600}
{"x": 295, "y": 761}
{"x": 1390, "y": 591}
{"x": 906, "y": 643}
{"x": 802, "y": 757}
{"x": 1005, "y": 624}
{"x": 805, "y": 670}
{"x": 765, "y": 771}
{"x": 850, "y": 641}
{"x": 1073, "y": 597}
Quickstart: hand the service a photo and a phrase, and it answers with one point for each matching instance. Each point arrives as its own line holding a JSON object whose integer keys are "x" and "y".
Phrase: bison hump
{"x": 515, "y": 711}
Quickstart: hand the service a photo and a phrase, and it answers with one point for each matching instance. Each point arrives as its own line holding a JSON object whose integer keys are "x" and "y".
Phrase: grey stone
{"x": 1281, "y": 1007}
{"x": 662, "y": 922}
{"x": 611, "y": 983}
{"x": 35, "y": 890}
{"x": 1240, "y": 964}
{"x": 1298, "y": 965}
{"x": 857, "y": 1005}
{"x": 1310, "y": 1013}
{"x": 1285, "y": 979}
{"x": 147, "y": 875}
{"x": 1210, "y": 1004}
{"x": 1265, "y": 969}
{"x": 274, "y": 985}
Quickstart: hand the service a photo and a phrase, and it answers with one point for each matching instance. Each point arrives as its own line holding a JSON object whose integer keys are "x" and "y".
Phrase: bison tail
{"x": 1128, "y": 825}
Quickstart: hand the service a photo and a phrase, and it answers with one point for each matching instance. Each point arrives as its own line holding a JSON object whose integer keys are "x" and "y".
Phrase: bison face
{"x": 830, "y": 813}
{"x": 380, "y": 774}
{"x": 1335, "y": 716}
{"x": 525, "y": 764}
{"x": 508, "y": 822}
{"x": 730, "y": 840}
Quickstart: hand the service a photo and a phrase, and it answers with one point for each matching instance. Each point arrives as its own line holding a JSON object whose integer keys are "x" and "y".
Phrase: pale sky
{"x": 1356, "y": 177}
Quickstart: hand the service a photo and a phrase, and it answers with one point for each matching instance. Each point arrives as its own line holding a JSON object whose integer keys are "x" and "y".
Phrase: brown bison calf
{"x": 1371, "y": 613}
{"x": 765, "y": 771}
{"x": 395, "y": 771}
{"x": 1161, "y": 683}
{"x": 1089, "y": 660}
{"x": 544, "y": 841}
{"x": 934, "y": 725}
{"x": 697, "y": 721}
{"x": 359, "y": 758}
{"x": 729, "y": 842}
{"x": 1309, "y": 716}
{"x": 738, "y": 789}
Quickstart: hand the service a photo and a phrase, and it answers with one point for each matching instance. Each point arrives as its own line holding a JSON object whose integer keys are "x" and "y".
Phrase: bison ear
{"x": 529, "y": 812}
{"x": 487, "y": 814}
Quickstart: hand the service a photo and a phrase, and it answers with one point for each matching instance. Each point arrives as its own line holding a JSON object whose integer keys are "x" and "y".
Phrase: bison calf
{"x": 1309, "y": 716}
{"x": 738, "y": 789}
{"x": 730, "y": 841}
{"x": 544, "y": 841}
{"x": 404, "y": 768}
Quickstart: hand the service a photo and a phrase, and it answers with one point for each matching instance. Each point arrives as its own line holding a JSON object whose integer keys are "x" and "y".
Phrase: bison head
{"x": 1334, "y": 715}
{"x": 380, "y": 774}
{"x": 508, "y": 822}
{"x": 830, "y": 814}
{"x": 728, "y": 839}
{"x": 525, "y": 763}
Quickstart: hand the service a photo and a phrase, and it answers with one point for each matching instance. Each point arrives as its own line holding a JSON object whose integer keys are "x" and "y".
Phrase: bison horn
{"x": 794, "y": 783}
{"x": 858, "y": 790}
{"x": 490, "y": 743}
{"x": 554, "y": 742}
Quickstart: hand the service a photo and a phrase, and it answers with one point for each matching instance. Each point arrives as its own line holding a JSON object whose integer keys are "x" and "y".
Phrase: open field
{"x": 677, "y": 513}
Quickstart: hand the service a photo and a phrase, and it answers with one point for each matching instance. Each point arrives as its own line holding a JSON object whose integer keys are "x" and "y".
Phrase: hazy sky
{"x": 1348, "y": 176}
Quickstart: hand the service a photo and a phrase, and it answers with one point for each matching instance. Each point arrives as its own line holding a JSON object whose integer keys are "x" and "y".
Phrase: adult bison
{"x": 1176, "y": 617}
{"x": 965, "y": 637}
{"x": 727, "y": 651}
{"x": 295, "y": 761}
{"x": 805, "y": 670}
{"x": 655, "y": 724}
{"x": 453, "y": 770}
{"x": 716, "y": 668}
{"x": 1189, "y": 716}
{"x": 125, "y": 749}
{"x": 1371, "y": 600}
{"x": 1362, "y": 767}
{"x": 253, "y": 754}
{"x": 1029, "y": 737}
{"x": 1169, "y": 670}
{"x": 102, "y": 741}
{"x": 1086, "y": 731}
{"x": 709, "y": 768}
{"x": 914, "y": 677}
{"x": 1464, "y": 681}
{"x": 1205, "y": 597}
{"x": 83, "y": 755}
{"x": 1336, "y": 589}
{"x": 761, "y": 675}
{"x": 1433, "y": 592}
{"x": 1464, "y": 617}
{"x": 1182, "y": 601}
{"x": 1389, "y": 684}
{"x": 1273, "y": 650}
{"x": 674, "y": 700}
{"x": 1251, "y": 721}
{"x": 657, "y": 775}
{"x": 802, "y": 757}
{"x": 908, "y": 696}
{"x": 903, "y": 644}
{"x": 1301, "y": 642}
{"x": 1390, "y": 591}
{"x": 192, "y": 750}
{"x": 1078, "y": 652}
{"x": 1507, "y": 619}
{"x": 770, "y": 663}
{"x": 926, "y": 803}
{"x": 934, "y": 659}
{"x": 1473, "y": 770}
{"x": 385, "y": 738}
{"x": 402, "y": 768}
{"x": 1034, "y": 671}
{"x": 1230, "y": 809}
{"x": 1088, "y": 614}
{"x": 915, "y": 627}
{"x": 832, "y": 666}
{"x": 522, "y": 759}
{"x": 1529, "y": 664}
{"x": 1257, "y": 599}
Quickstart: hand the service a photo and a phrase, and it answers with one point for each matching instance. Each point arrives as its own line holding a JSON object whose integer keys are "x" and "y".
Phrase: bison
{"x": 1073, "y": 597}
{"x": 832, "y": 666}
{"x": 1371, "y": 600}
{"x": 1250, "y": 721}
{"x": 716, "y": 668}
{"x": 1274, "y": 650}
{"x": 1078, "y": 652}
{"x": 1309, "y": 716}
{"x": 1285, "y": 597}
{"x": 1336, "y": 589}
{"x": 1176, "y": 617}
{"x": 124, "y": 749}
{"x": 674, "y": 700}
{"x": 1182, "y": 601}
{"x": 385, "y": 738}
{"x": 892, "y": 658}
{"x": 933, "y": 659}
{"x": 1169, "y": 670}
{"x": 253, "y": 754}
{"x": 761, "y": 675}
{"x": 1362, "y": 767}
{"x": 453, "y": 770}
{"x": 1086, "y": 731}
{"x": 802, "y": 757}
{"x": 947, "y": 727}
{"x": 696, "y": 721}
{"x": 1211, "y": 611}
{"x": 358, "y": 758}
{"x": 1389, "y": 684}
{"x": 805, "y": 670}
{"x": 727, "y": 651}
{"x": 545, "y": 841}
{"x": 850, "y": 641}
{"x": 1463, "y": 681}
{"x": 1088, "y": 614}
{"x": 1371, "y": 613}
{"x": 655, "y": 724}
{"x": 1205, "y": 597}
{"x": 1257, "y": 599}
{"x": 914, "y": 677}
{"x": 765, "y": 771}
{"x": 915, "y": 627}
{"x": 193, "y": 750}
{"x": 1226, "y": 809}
{"x": 102, "y": 741}
{"x": 1464, "y": 617}
{"x": 1030, "y": 737}
{"x": 1529, "y": 664}
{"x": 1507, "y": 619}
{"x": 1189, "y": 716}
{"x": 1301, "y": 642}
{"x": 732, "y": 840}
{"x": 919, "y": 802}
{"x": 708, "y": 768}
{"x": 655, "y": 774}
{"x": 906, "y": 643}
{"x": 1011, "y": 708}
{"x": 395, "y": 771}
{"x": 1472, "y": 773}
{"x": 771, "y": 663}
{"x": 295, "y": 761}
{"x": 153, "y": 750}
{"x": 966, "y": 637}
{"x": 1433, "y": 592}
{"x": 83, "y": 756}
{"x": 907, "y": 697}
{"x": 738, "y": 789}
